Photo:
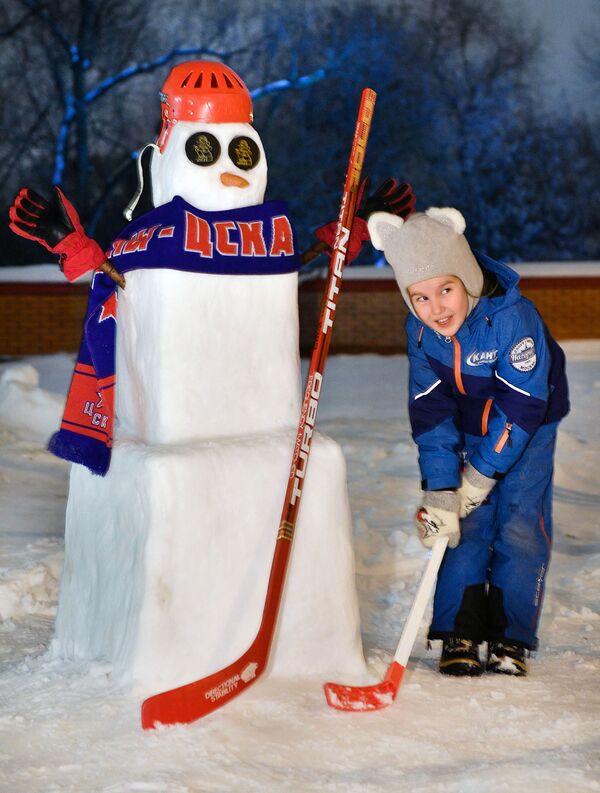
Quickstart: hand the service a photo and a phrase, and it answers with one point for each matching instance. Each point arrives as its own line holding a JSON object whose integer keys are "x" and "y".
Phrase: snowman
{"x": 185, "y": 399}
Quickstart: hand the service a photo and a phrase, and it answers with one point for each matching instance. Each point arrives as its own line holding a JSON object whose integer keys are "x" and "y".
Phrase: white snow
{"x": 68, "y": 727}
{"x": 167, "y": 558}
{"x": 29, "y": 408}
{"x": 240, "y": 373}
{"x": 35, "y": 274}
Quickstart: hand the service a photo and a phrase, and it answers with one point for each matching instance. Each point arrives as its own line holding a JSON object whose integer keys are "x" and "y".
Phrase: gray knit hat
{"x": 427, "y": 245}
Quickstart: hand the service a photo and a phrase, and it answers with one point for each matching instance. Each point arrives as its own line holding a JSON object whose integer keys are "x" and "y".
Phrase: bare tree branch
{"x": 285, "y": 85}
{"x": 13, "y": 29}
{"x": 145, "y": 68}
{"x": 41, "y": 11}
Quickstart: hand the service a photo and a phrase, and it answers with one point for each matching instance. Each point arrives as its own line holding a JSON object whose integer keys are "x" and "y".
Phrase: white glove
{"x": 474, "y": 490}
{"x": 438, "y": 516}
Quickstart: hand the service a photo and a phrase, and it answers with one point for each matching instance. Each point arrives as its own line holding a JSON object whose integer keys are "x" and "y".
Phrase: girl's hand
{"x": 438, "y": 517}
{"x": 474, "y": 490}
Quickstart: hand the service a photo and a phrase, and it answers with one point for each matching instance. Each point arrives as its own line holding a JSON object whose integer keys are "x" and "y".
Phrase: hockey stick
{"x": 194, "y": 700}
{"x": 380, "y": 695}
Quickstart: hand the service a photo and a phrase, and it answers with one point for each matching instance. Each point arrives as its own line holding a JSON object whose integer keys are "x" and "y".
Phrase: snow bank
{"x": 33, "y": 590}
{"x": 25, "y": 408}
{"x": 37, "y": 273}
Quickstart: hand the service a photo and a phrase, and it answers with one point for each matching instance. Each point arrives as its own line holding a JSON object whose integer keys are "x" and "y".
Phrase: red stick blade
{"x": 359, "y": 698}
{"x": 194, "y": 700}
{"x": 365, "y": 698}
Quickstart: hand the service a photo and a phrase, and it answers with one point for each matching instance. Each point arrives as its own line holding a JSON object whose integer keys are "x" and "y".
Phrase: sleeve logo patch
{"x": 523, "y": 357}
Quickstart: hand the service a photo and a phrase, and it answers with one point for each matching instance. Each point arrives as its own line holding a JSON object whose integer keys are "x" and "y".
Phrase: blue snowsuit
{"x": 491, "y": 395}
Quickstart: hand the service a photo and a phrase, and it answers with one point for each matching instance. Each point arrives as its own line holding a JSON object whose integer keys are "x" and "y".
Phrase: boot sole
{"x": 514, "y": 668}
{"x": 461, "y": 667}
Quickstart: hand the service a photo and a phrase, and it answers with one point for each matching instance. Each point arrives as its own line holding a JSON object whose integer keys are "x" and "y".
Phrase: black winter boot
{"x": 507, "y": 659}
{"x": 460, "y": 657}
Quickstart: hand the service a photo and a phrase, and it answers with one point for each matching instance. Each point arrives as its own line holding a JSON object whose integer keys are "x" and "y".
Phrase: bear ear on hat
{"x": 382, "y": 226}
{"x": 449, "y": 217}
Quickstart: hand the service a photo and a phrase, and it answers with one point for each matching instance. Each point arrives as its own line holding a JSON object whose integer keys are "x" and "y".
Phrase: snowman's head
{"x": 207, "y": 151}
{"x": 211, "y": 165}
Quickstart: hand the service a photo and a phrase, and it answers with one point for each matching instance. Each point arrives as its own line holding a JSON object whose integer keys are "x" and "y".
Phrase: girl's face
{"x": 440, "y": 303}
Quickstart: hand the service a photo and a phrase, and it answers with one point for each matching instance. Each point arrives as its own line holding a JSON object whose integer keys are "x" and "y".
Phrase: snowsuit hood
{"x": 508, "y": 280}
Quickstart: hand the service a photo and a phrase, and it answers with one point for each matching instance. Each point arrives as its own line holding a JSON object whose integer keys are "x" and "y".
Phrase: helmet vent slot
{"x": 198, "y": 83}
{"x": 214, "y": 83}
{"x": 227, "y": 81}
{"x": 186, "y": 81}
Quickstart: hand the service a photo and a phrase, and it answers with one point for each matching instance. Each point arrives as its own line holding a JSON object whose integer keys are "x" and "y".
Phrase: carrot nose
{"x": 233, "y": 180}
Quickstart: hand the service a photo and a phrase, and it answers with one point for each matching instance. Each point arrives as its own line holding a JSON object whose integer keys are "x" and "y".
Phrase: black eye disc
{"x": 244, "y": 152}
{"x": 202, "y": 148}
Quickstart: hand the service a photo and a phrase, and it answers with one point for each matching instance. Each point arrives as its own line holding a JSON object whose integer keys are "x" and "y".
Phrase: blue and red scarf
{"x": 256, "y": 240}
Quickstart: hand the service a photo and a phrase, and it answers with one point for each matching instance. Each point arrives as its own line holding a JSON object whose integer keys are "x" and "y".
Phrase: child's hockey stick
{"x": 380, "y": 695}
{"x": 194, "y": 700}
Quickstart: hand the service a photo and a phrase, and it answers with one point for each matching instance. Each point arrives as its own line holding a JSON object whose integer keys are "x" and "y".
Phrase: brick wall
{"x": 369, "y": 317}
{"x": 371, "y": 313}
{"x": 38, "y": 318}
{"x": 570, "y": 306}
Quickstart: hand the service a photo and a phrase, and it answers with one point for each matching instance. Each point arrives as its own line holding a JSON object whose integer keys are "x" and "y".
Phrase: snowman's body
{"x": 168, "y": 555}
{"x": 242, "y": 378}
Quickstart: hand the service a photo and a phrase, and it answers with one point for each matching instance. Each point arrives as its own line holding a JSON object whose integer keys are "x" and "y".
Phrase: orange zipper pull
{"x": 504, "y": 438}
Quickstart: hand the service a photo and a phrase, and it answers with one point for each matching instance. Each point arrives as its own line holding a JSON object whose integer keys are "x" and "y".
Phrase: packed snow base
{"x": 69, "y": 727}
{"x": 167, "y": 557}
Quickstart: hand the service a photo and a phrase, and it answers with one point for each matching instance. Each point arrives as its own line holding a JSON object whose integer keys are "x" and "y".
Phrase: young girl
{"x": 487, "y": 390}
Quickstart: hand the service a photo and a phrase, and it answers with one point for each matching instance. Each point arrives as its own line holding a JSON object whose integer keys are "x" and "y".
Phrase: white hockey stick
{"x": 380, "y": 695}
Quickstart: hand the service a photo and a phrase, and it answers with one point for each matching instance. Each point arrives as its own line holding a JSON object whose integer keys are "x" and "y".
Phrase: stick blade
{"x": 360, "y": 699}
{"x": 192, "y": 701}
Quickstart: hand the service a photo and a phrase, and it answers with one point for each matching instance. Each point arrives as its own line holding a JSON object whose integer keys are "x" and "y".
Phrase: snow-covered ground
{"x": 69, "y": 729}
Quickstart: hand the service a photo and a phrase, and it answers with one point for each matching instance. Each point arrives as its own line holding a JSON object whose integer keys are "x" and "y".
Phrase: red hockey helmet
{"x": 203, "y": 91}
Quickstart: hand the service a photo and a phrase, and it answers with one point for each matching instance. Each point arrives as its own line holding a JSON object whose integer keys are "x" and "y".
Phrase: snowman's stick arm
{"x": 194, "y": 700}
{"x": 113, "y": 273}
{"x": 315, "y": 250}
